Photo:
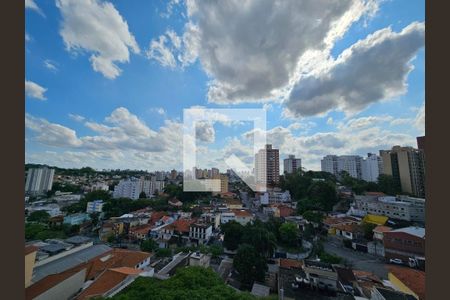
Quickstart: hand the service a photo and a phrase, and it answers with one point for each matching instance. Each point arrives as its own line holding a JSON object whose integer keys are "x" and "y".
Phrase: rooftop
{"x": 78, "y": 240}
{"x": 412, "y": 230}
{"x": 318, "y": 265}
{"x": 389, "y": 294}
{"x": 241, "y": 213}
{"x": 30, "y": 249}
{"x": 381, "y": 229}
{"x": 64, "y": 263}
{"x": 290, "y": 263}
{"x": 412, "y": 278}
{"x": 260, "y": 290}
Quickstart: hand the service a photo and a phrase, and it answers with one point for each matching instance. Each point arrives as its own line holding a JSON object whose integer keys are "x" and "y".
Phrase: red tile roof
{"x": 143, "y": 229}
{"x": 50, "y": 281}
{"x": 290, "y": 263}
{"x": 375, "y": 194}
{"x": 381, "y": 228}
{"x": 412, "y": 278}
{"x": 241, "y": 213}
{"x": 30, "y": 249}
{"x": 181, "y": 225}
{"x": 353, "y": 228}
{"x": 156, "y": 216}
{"x": 285, "y": 211}
{"x": 106, "y": 282}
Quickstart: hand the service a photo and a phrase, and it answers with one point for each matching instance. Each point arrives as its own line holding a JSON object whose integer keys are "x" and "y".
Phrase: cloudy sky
{"x": 106, "y": 82}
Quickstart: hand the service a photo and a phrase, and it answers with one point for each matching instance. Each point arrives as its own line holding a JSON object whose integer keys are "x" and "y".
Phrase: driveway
{"x": 358, "y": 260}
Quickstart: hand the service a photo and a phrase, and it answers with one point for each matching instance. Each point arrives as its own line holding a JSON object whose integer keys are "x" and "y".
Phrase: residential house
{"x": 175, "y": 202}
{"x": 76, "y": 219}
{"x": 320, "y": 275}
{"x": 199, "y": 259}
{"x": 200, "y": 232}
{"x": 407, "y": 280}
{"x": 404, "y": 243}
{"x": 349, "y": 231}
{"x": 243, "y": 216}
{"x": 232, "y": 203}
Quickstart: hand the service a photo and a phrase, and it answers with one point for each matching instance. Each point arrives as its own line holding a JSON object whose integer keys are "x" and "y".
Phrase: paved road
{"x": 359, "y": 260}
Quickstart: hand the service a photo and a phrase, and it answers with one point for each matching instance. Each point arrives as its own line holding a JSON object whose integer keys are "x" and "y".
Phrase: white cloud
{"x": 34, "y": 90}
{"x": 51, "y": 134}
{"x": 258, "y": 62}
{"x": 419, "y": 121}
{"x": 76, "y": 117}
{"x": 171, "y": 5}
{"x": 330, "y": 121}
{"x": 96, "y": 26}
{"x": 51, "y": 65}
{"x": 33, "y": 6}
{"x": 27, "y": 37}
{"x": 364, "y": 122}
{"x": 160, "y": 52}
{"x": 371, "y": 70}
{"x": 204, "y": 131}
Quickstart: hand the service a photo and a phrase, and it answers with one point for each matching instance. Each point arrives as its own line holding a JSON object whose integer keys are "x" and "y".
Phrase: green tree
{"x": 216, "y": 250}
{"x": 39, "y": 216}
{"x": 142, "y": 195}
{"x": 388, "y": 185}
{"x": 368, "y": 230}
{"x": 163, "y": 252}
{"x": 94, "y": 218}
{"x": 233, "y": 232}
{"x": 250, "y": 265}
{"x": 149, "y": 245}
{"x": 323, "y": 193}
{"x": 259, "y": 237}
{"x": 289, "y": 234}
{"x": 311, "y": 216}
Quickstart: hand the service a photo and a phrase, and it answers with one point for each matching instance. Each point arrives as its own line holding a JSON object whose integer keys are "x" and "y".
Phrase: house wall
{"x": 29, "y": 265}
{"x": 65, "y": 289}
{"x": 403, "y": 245}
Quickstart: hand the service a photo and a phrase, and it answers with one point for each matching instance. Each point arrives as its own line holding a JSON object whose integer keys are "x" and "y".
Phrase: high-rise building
{"x": 330, "y": 164}
{"x": 371, "y": 167}
{"x": 292, "y": 164}
{"x": 133, "y": 187}
{"x": 39, "y": 180}
{"x": 336, "y": 164}
{"x": 267, "y": 166}
{"x": 406, "y": 165}
{"x": 223, "y": 183}
{"x": 421, "y": 143}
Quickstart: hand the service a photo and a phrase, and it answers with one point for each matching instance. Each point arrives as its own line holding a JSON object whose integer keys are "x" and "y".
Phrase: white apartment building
{"x": 371, "y": 167}
{"x": 94, "y": 206}
{"x": 200, "y": 232}
{"x": 39, "y": 180}
{"x": 99, "y": 186}
{"x": 335, "y": 164}
{"x": 292, "y": 164}
{"x": 401, "y": 207}
{"x": 133, "y": 187}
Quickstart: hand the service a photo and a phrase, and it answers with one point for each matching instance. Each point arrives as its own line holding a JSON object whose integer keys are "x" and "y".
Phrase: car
{"x": 298, "y": 279}
{"x": 396, "y": 261}
{"x": 295, "y": 285}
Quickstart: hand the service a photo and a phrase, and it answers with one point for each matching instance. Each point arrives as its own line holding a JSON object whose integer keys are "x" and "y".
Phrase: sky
{"x": 106, "y": 82}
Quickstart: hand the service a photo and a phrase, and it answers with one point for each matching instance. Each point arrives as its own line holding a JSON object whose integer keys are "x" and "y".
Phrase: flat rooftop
{"x": 69, "y": 261}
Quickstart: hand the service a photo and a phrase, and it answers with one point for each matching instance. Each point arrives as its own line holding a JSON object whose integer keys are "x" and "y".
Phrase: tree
{"x": 216, "y": 250}
{"x": 39, "y": 216}
{"x": 250, "y": 265}
{"x": 149, "y": 245}
{"x": 142, "y": 195}
{"x": 368, "y": 230}
{"x": 324, "y": 194}
{"x": 260, "y": 238}
{"x": 388, "y": 185}
{"x": 311, "y": 216}
{"x": 289, "y": 234}
{"x": 163, "y": 252}
{"x": 94, "y": 218}
{"x": 233, "y": 234}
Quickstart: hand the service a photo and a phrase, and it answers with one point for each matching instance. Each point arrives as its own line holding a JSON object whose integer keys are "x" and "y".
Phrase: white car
{"x": 396, "y": 261}
{"x": 295, "y": 285}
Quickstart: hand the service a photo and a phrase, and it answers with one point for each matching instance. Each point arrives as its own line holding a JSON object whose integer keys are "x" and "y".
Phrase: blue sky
{"x": 107, "y": 81}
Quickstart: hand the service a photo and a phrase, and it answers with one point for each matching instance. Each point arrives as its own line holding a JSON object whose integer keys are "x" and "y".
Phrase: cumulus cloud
{"x": 251, "y": 49}
{"x": 160, "y": 51}
{"x": 122, "y": 134}
{"x": 204, "y": 131}
{"x": 34, "y": 90}
{"x": 96, "y": 26}
{"x": 371, "y": 70}
{"x": 30, "y": 4}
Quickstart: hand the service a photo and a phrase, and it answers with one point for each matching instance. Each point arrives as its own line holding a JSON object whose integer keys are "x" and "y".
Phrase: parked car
{"x": 396, "y": 261}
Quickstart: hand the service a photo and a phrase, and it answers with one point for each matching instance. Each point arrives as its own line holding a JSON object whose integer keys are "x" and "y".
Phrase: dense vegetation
{"x": 188, "y": 283}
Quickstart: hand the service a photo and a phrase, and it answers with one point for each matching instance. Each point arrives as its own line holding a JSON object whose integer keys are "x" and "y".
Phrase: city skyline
{"x": 117, "y": 102}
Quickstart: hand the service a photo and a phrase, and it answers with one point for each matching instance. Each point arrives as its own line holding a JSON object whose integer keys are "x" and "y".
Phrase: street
{"x": 359, "y": 260}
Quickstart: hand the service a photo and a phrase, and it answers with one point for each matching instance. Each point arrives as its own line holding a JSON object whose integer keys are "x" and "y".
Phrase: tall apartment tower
{"x": 330, "y": 164}
{"x": 406, "y": 165}
{"x": 267, "y": 166}
{"x": 39, "y": 180}
{"x": 335, "y": 164}
{"x": 371, "y": 167}
{"x": 292, "y": 164}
